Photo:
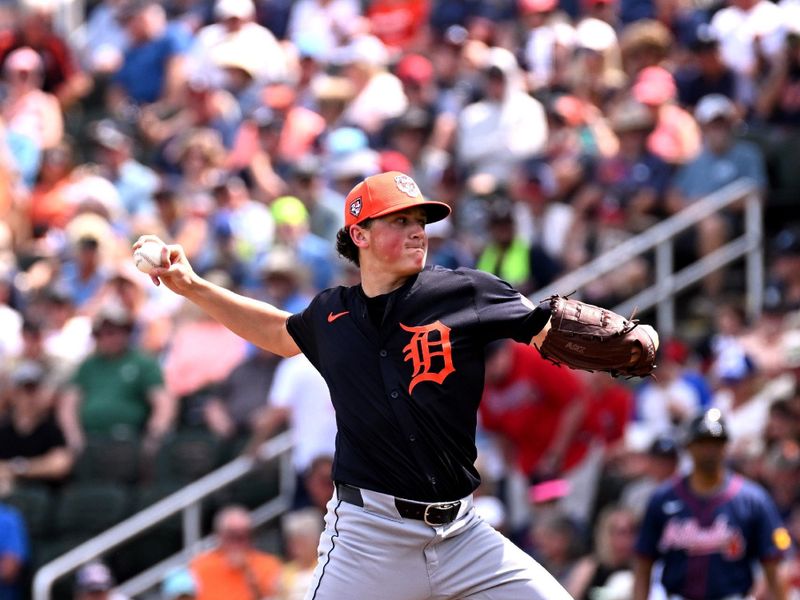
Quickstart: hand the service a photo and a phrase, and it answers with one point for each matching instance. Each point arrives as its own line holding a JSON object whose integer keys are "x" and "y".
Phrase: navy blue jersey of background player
{"x": 708, "y": 544}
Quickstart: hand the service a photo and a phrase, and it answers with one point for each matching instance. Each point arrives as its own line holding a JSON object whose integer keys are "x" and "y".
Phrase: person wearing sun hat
{"x": 402, "y": 353}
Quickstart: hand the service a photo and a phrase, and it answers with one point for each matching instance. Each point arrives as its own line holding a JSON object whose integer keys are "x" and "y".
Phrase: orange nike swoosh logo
{"x": 332, "y": 317}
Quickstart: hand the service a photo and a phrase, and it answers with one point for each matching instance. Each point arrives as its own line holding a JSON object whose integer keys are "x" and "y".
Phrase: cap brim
{"x": 436, "y": 211}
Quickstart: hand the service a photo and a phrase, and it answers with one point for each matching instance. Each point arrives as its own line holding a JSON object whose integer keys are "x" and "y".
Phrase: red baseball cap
{"x": 386, "y": 193}
{"x": 415, "y": 67}
{"x": 537, "y": 6}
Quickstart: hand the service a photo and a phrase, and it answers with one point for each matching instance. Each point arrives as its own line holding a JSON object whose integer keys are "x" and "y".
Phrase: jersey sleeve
{"x": 772, "y": 538}
{"x": 502, "y": 311}
{"x": 651, "y": 527}
{"x": 301, "y": 327}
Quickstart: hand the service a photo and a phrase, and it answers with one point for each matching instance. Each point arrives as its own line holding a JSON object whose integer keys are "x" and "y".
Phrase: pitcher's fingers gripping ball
{"x": 149, "y": 254}
{"x": 584, "y": 336}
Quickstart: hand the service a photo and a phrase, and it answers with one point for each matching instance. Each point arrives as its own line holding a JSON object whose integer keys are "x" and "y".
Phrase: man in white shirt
{"x": 299, "y": 396}
{"x": 236, "y": 34}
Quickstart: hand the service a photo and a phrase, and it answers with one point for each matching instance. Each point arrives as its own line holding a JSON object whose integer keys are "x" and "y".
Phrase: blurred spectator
{"x": 324, "y": 216}
{"x": 153, "y": 67}
{"x": 506, "y": 127}
{"x": 781, "y": 476}
{"x": 104, "y": 40}
{"x": 181, "y": 223}
{"x": 32, "y": 445}
{"x": 613, "y": 542}
{"x": 506, "y": 254}
{"x": 118, "y": 386}
{"x": 663, "y": 406}
{"x": 549, "y": 39}
{"x": 198, "y": 155}
{"x": 378, "y": 93}
{"x": 190, "y": 370}
{"x": 400, "y": 24}
{"x": 675, "y": 138}
{"x": 233, "y": 404}
{"x": 557, "y": 545}
{"x": 94, "y": 581}
{"x": 535, "y": 409}
{"x": 777, "y": 102}
{"x": 318, "y": 482}
{"x": 331, "y": 22}
{"x": 645, "y": 43}
{"x": 134, "y": 181}
{"x": 179, "y": 585}
{"x": 14, "y": 553}
{"x": 750, "y": 34}
{"x": 723, "y": 160}
{"x": 205, "y": 106}
{"x": 628, "y": 188}
{"x": 767, "y": 342}
{"x": 660, "y": 463}
{"x": 26, "y": 109}
{"x": 35, "y": 29}
{"x": 235, "y": 33}
{"x": 595, "y": 72}
{"x": 83, "y": 275}
{"x": 292, "y": 231}
{"x": 444, "y": 248}
{"x": 300, "y": 399}
{"x": 745, "y": 397}
{"x": 285, "y": 281}
{"x": 234, "y": 569}
{"x": 247, "y": 225}
{"x": 706, "y": 74}
{"x": 50, "y": 205}
{"x": 67, "y": 334}
{"x": 301, "y": 531}
{"x": 783, "y": 286}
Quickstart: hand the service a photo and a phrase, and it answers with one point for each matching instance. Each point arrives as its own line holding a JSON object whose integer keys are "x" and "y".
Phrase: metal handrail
{"x": 660, "y": 238}
{"x": 186, "y": 500}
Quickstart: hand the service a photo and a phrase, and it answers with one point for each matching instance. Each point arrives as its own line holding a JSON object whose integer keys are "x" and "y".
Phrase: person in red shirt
{"x": 62, "y": 76}
{"x": 536, "y": 409}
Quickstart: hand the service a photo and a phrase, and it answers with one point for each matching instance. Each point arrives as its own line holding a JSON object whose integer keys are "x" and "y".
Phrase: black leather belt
{"x": 437, "y": 513}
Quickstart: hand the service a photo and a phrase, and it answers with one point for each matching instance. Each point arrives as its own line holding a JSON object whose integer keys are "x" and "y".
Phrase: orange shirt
{"x": 217, "y": 579}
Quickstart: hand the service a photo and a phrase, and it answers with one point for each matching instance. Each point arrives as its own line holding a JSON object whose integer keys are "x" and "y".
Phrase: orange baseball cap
{"x": 386, "y": 193}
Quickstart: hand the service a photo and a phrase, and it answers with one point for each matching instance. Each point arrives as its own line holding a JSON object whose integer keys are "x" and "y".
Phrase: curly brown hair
{"x": 344, "y": 243}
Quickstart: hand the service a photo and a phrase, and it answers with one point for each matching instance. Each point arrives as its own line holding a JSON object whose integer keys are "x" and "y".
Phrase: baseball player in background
{"x": 403, "y": 356}
{"x": 709, "y": 527}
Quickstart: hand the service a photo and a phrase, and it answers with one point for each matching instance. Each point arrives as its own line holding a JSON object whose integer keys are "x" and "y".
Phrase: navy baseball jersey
{"x": 406, "y": 372}
{"x": 708, "y": 544}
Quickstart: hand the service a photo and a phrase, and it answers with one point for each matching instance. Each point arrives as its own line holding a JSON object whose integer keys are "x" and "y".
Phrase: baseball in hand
{"x": 149, "y": 256}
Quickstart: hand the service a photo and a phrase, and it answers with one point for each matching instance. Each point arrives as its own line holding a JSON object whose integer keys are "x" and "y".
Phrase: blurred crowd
{"x": 554, "y": 128}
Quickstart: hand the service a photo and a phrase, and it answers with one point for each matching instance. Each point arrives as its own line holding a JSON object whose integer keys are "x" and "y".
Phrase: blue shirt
{"x": 709, "y": 172}
{"x": 145, "y": 65}
{"x": 13, "y": 542}
{"x": 708, "y": 543}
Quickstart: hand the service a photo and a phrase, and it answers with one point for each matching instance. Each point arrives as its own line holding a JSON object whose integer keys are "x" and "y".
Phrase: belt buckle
{"x": 444, "y": 506}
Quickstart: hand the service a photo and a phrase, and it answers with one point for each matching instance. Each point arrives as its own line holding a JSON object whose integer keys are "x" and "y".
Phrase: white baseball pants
{"x": 372, "y": 553}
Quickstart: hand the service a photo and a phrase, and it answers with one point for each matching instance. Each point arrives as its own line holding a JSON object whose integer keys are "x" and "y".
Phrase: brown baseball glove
{"x": 583, "y": 336}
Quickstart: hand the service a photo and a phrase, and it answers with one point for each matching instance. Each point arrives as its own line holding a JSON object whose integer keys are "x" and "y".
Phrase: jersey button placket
{"x": 383, "y": 354}
{"x": 395, "y": 394}
{"x": 412, "y": 438}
